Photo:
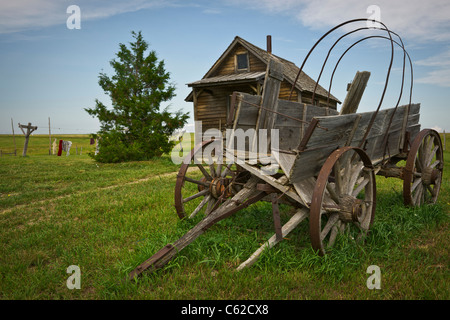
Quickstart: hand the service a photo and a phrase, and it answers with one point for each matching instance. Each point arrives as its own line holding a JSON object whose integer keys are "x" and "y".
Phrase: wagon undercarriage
{"x": 320, "y": 162}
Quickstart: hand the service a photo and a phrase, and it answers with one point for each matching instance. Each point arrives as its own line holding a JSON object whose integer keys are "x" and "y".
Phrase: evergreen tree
{"x": 135, "y": 128}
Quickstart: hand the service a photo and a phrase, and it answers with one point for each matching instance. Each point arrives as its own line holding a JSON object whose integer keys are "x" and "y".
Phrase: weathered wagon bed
{"x": 319, "y": 161}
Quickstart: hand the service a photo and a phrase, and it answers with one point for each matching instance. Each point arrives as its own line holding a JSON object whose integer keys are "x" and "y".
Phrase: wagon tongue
{"x": 152, "y": 262}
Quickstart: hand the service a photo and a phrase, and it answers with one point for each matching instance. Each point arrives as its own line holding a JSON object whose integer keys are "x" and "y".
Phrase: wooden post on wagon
{"x": 355, "y": 92}
{"x": 30, "y": 130}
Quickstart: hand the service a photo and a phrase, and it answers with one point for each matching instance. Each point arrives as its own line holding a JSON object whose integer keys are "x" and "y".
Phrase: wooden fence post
{"x": 14, "y": 137}
{"x": 444, "y": 142}
{"x": 49, "y": 139}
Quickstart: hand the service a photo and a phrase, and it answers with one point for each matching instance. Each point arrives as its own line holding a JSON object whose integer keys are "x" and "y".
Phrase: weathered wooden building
{"x": 242, "y": 67}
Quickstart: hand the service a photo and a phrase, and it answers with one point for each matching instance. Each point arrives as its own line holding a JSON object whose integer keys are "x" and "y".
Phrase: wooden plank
{"x": 271, "y": 89}
{"x": 247, "y": 113}
{"x": 413, "y": 119}
{"x": 288, "y": 137}
{"x": 415, "y": 108}
{"x": 305, "y": 188}
{"x": 413, "y": 131}
{"x": 355, "y": 92}
{"x": 309, "y": 163}
{"x": 340, "y": 129}
{"x": 296, "y": 110}
{"x": 293, "y": 110}
{"x": 286, "y": 161}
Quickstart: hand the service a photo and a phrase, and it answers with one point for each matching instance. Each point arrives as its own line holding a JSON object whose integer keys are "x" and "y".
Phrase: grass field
{"x": 61, "y": 211}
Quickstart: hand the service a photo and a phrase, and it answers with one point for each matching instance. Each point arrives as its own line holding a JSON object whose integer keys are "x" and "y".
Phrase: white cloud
{"x": 440, "y": 73}
{"x": 414, "y": 19}
{"x": 438, "y": 129}
{"x": 418, "y": 20}
{"x": 439, "y": 77}
{"x": 440, "y": 60}
{"x": 20, "y": 15}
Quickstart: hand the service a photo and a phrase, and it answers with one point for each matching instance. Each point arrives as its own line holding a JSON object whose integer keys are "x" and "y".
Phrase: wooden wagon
{"x": 320, "y": 162}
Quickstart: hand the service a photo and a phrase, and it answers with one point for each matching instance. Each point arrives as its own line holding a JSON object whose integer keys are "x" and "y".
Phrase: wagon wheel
{"x": 205, "y": 180}
{"x": 423, "y": 170}
{"x": 343, "y": 199}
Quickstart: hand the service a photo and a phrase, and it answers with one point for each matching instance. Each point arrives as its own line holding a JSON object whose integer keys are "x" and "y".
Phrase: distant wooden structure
{"x": 27, "y": 134}
{"x": 242, "y": 67}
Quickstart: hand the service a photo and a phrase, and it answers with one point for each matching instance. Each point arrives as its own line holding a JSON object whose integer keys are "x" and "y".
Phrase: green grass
{"x": 107, "y": 219}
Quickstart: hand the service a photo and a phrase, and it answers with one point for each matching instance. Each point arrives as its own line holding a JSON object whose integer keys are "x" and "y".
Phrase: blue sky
{"x": 48, "y": 70}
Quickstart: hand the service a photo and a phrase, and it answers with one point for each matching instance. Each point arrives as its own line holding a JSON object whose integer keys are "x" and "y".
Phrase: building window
{"x": 242, "y": 61}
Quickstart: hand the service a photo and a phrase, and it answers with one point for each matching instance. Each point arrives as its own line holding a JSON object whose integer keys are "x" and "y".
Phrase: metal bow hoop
{"x": 333, "y": 29}
{"x": 405, "y": 53}
{"x": 403, "y": 74}
{"x": 369, "y": 127}
{"x": 353, "y": 31}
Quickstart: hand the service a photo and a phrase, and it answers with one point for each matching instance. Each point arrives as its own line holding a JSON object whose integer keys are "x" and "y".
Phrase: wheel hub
{"x": 430, "y": 175}
{"x": 351, "y": 209}
{"x": 217, "y": 187}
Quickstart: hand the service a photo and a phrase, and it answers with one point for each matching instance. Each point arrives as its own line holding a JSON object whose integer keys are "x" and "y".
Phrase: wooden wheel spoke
{"x": 426, "y": 144}
{"x": 333, "y": 235}
{"x": 205, "y": 184}
{"x": 212, "y": 170}
{"x": 434, "y": 164}
{"x": 415, "y": 184}
{"x": 330, "y": 223}
{"x": 199, "y": 194}
{"x": 219, "y": 170}
{"x": 338, "y": 178}
{"x": 227, "y": 170}
{"x": 331, "y": 188}
{"x": 210, "y": 206}
{"x": 431, "y": 190}
{"x": 431, "y": 156}
{"x": 365, "y": 223}
{"x": 200, "y": 206}
{"x": 360, "y": 186}
{"x": 353, "y": 176}
{"x": 418, "y": 163}
{"x": 205, "y": 173}
{"x": 418, "y": 195}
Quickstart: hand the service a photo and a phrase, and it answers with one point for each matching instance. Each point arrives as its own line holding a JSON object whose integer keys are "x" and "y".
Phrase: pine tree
{"x": 135, "y": 128}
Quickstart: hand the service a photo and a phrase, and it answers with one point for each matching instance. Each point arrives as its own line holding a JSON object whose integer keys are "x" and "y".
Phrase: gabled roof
{"x": 304, "y": 82}
{"x": 233, "y": 78}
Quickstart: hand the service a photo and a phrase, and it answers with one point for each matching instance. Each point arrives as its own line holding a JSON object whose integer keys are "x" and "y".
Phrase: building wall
{"x": 211, "y": 105}
{"x": 228, "y": 66}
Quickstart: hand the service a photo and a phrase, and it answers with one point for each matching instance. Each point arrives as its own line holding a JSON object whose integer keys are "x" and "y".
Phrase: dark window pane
{"x": 242, "y": 61}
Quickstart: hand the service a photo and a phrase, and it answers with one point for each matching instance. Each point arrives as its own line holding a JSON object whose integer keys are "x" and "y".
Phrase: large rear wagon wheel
{"x": 423, "y": 170}
{"x": 205, "y": 180}
{"x": 343, "y": 199}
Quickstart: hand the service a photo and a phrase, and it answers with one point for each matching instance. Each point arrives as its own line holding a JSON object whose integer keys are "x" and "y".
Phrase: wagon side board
{"x": 291, "y": 120}
{"x": 349, "y": 130}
